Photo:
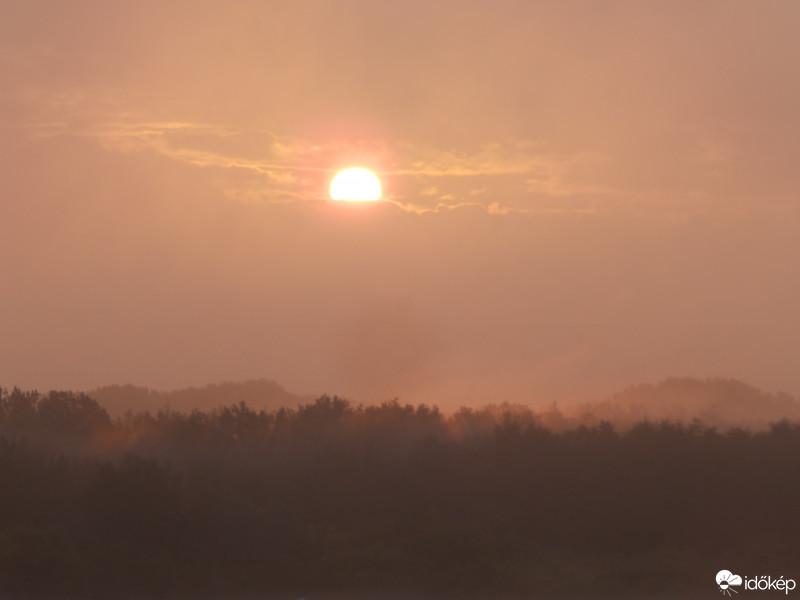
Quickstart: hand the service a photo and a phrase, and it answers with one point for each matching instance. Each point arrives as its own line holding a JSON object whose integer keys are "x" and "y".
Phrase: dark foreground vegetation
{"x": 331, "y": 498}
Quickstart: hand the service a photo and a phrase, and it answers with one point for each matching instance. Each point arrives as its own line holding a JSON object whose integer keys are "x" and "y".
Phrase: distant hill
{"x": 259, "y": 394}
{"x": 722, "y": 403}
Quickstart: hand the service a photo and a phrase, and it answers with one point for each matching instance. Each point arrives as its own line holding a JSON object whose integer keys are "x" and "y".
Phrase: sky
{"x": 578, "y": 196}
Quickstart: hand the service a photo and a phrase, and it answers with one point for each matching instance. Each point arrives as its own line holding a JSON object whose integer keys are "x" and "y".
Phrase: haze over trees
{"x": 257, "y": 393}
{"x": 722, "y": 403}
{"x": 332, "y": 498}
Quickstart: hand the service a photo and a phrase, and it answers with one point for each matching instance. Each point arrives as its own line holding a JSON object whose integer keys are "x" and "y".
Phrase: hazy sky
{"x": 578, "y": 195}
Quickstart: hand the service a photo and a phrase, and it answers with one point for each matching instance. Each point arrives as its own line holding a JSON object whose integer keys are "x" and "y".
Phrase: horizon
{"x": 717, "y": 403}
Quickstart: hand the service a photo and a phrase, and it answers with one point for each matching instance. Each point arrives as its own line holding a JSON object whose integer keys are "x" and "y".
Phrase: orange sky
{"x": 579, "y": 195}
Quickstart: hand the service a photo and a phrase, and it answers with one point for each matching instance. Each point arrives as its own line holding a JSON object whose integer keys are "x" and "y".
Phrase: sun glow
{"x": 356, "y": 185}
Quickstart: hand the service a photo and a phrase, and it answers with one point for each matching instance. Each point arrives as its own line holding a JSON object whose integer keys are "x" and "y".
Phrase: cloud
{"x": 257, "y": 165}
{"x": 676, "y": 164}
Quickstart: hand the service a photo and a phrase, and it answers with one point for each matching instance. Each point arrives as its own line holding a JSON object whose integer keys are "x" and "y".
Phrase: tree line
{"x": 334, "y": 498}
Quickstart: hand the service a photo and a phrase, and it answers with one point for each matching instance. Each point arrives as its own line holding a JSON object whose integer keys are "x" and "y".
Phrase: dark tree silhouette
{"x": 335, "y": 498}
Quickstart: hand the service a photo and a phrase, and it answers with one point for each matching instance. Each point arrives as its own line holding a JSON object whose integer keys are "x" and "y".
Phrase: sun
{"x": 356, "y": 185}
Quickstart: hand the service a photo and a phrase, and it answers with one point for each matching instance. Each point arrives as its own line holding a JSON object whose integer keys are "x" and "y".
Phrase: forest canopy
{"x": 331, "y": 497}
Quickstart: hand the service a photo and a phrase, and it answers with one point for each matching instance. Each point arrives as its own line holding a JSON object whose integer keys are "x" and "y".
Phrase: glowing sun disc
{"x": 356, "y": 185}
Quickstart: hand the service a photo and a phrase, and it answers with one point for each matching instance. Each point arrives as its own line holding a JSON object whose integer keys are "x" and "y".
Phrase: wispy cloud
{"x": 258, "y": 165}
